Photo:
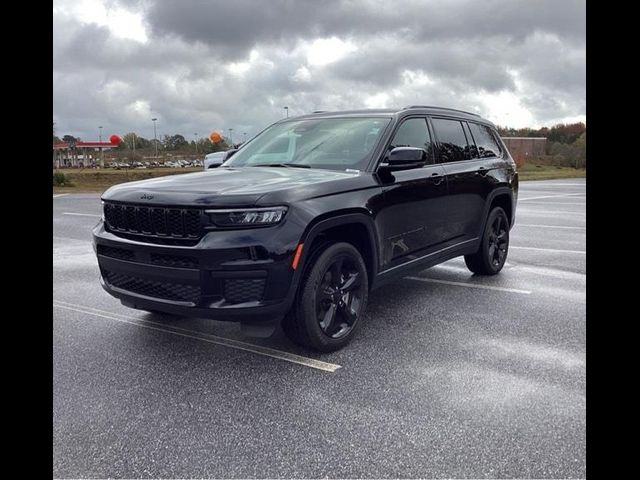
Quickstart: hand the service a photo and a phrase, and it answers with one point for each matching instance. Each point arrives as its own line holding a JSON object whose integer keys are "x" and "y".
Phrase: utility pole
{"x": 155, "y": 137}
{"x": 101, "y": 149}
{"x": 55, "y": 164}
{"x": 244, "y": 135}
{"x": 286, "y": 110}
{"x": 196, "y": 135}
{"x": 231, "y": 137}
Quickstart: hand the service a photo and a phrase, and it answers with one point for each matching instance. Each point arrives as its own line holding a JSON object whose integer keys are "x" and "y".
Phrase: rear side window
{"x": 414, "y": 133}
{"x": 452, "y": 142}
{"x": 487, "y": 145}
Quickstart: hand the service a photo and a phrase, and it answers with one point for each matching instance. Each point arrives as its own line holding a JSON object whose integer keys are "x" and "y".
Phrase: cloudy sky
{"x": 207, "y": 65}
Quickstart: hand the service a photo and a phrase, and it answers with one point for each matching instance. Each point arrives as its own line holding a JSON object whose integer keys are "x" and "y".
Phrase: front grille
{"x": 113, "y": 252}
{"x": 165, "y": 290}
{"x": 239, "y": 290}
{"x": 178, "y": 261}
{"x": 148, "y": 221}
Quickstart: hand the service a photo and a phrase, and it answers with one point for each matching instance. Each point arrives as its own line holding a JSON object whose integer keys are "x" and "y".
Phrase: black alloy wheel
{"x": 339, "y": 297}
{"x": 494, "y": 246}
{"x": 498, "y": 241}
{"x": 331, "y": 300}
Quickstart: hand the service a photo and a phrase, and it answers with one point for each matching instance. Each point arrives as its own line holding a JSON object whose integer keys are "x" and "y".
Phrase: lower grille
{"x": 178, "y": 261}
{"x": 113, "y": 252}
{"x": 178, "y": 292}
{"x": 238, "y": 290}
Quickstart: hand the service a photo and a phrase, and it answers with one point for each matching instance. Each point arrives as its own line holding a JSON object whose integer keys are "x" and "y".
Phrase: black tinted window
{"x": 451, "y": 139}
{"x": 473, "y": 149}
{"x": 414, "y": 133}
{"x": 487, "y": 145}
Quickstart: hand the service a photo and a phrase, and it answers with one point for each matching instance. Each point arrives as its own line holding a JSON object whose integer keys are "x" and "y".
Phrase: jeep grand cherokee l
{"x": 307, "y": 218}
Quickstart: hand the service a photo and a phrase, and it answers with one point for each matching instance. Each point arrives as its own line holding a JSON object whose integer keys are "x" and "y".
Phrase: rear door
{"x": 411, "y": 220}
{"x": 466, "y": 177}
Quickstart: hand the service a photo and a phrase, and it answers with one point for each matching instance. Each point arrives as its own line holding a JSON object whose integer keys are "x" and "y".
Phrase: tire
{"x": 331, "y": 299}
{"x": 494, "y": 247}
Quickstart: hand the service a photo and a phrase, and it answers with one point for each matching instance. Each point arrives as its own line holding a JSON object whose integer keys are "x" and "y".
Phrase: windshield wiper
{"x": 287, "y": 165}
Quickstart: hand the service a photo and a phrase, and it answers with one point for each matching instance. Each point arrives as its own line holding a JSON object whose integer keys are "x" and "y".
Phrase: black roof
{"x": 389, "y": 112}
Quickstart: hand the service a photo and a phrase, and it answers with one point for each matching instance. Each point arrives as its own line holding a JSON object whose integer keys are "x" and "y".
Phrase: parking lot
{"x": 451, "y": 375}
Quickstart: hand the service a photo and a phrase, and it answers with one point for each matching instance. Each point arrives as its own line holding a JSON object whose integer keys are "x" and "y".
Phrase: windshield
{"x": 329, "y": 143}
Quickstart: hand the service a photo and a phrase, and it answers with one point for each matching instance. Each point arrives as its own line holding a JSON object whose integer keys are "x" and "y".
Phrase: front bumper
{"x": 230, "y": 275}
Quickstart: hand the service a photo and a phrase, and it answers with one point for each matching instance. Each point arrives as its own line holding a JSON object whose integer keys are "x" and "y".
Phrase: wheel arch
{"x": 352, "y": 226}
{"x": 501, "y": 197}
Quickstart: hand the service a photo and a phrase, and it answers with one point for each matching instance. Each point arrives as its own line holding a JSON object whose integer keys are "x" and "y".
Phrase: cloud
{"x": 199, "y": 66}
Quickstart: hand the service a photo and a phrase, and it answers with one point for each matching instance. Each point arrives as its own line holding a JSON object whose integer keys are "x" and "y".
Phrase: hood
{"x": 229, "y": 186}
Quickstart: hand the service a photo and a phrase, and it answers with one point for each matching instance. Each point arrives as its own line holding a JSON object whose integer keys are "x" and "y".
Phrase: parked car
{"x": 316, "y": 212}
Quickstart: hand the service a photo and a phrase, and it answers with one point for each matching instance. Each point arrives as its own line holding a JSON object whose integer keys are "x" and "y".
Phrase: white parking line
{"x": 557, "y": 203}
{"x": 551, "y": 196}
{"x": 555, "y": 250}
{"x": 205, "y": 337}
{"x": 470, "y": 285}
{"x": 60, "y": 195}
{"x": 548, "y": 226}
{"x": 81, "y": 214}
{"x": 548, "y": 212}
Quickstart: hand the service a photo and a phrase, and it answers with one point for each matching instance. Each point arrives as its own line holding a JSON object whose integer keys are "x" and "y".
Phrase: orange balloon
{"x": 215, "y": 137}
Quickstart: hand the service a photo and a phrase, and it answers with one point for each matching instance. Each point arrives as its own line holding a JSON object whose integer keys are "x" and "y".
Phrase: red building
{"x": 524, "y": 148}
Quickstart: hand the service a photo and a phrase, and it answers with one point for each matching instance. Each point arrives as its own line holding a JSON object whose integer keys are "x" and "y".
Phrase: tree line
{"x": 177, "y": 144}
{"x": 566, "y": 142}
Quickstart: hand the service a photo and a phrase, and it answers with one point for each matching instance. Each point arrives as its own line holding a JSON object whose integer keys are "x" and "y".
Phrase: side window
{"x": 414, "y": 133}
{"x": 451, "y": 140}
{"x": 487, "y": 145}
{"x": 473, "y": 149}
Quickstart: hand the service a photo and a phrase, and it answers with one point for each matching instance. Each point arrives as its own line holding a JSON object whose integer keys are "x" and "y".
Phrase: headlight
{"x": 247, "y": 217}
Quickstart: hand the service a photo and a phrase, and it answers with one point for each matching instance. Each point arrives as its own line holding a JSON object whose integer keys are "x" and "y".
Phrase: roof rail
{"x": 319, "y": 111}
{"x": 441, "y": 108}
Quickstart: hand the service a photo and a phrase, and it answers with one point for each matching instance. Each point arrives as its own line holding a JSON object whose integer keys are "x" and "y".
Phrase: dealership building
{"x": 523, "y": 148}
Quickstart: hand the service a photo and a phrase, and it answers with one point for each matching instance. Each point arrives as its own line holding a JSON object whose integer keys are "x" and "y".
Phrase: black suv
{"x": 305, "y": 219}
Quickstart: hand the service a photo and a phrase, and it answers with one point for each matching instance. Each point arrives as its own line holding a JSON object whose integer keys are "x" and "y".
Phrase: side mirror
{"x": 230, "y": 153}
{"x": 404, "y": 158}
{"x": 214, "y": 160}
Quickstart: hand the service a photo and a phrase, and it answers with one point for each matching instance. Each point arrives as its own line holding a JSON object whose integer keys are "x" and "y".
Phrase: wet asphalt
{"x": 443, "y": 380}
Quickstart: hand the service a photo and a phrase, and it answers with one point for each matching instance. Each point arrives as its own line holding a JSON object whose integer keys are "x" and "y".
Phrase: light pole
{"x": 244, "y": 140}
{"x": 286, "y": 110}
{"x": 196, "y": 135}
{"x": 155, "y": 137}
{"x": 101, "y": 149}
{"x": 231, "y": 137}
{"x": 134, "y": 145}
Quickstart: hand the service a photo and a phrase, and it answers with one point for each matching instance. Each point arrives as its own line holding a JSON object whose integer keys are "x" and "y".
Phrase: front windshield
{"x": 329, "y": 143}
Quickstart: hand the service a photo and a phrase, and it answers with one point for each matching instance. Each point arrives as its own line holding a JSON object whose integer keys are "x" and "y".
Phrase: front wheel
{"x": 494, "y": 247}
{"x": 331, "y": 300}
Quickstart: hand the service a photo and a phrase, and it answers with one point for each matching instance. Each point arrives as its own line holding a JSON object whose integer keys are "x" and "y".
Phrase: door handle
{"x": 436, "y": 178}
{"x": 482, "y": 171}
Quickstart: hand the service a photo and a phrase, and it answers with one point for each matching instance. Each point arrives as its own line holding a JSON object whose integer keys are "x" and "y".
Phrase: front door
{"x": 411, "y": 222}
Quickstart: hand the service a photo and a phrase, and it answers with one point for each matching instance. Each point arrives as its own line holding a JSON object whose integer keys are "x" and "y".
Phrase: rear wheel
{"x": 331, "y": 301}
{"x": 494, "y": 247}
